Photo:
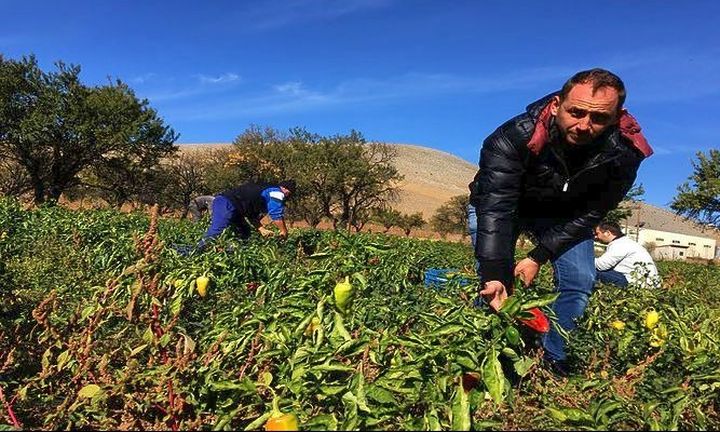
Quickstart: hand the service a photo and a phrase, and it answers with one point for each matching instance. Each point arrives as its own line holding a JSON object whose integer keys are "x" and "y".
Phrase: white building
{"x": 668, "y": 236}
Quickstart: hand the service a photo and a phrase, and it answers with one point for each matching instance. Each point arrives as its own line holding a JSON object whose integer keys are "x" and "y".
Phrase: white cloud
{"x": 271, "y": 14}
{"x": 202, "y": 85}
{"x": 142, "y": 79}
{"x": 294, "y": 88}
{"x": 295, "y": 96}
{"x": 221, "y": 79}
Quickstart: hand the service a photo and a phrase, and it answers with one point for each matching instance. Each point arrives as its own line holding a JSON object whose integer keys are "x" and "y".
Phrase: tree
{"x": 340, "y": 177}
{"x": 13, "y": 179}
{"x": 387, "y": 217}
{"x": 362, "y": 217}
{"x": 624, "y": 209}
{"x": 363, "y": 176}
{"x": 185, "y": 181}
{"x": 303, "y": 207}
{"x": 409, "y": 222}
{"x": 452, "y": 217}
{"x": 55, "y": 129}
{"x": 220, "y": 171}
{"x": 699, "y": 197}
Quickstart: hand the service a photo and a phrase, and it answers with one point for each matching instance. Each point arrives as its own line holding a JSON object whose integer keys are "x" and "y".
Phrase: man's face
{"x": 285, "y": 191}
{"x": 583, "y": 116}
{"x": 604, "y": 237}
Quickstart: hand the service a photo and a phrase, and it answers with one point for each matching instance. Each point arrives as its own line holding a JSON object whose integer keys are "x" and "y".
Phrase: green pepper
{"x": 343, "y": 295}
{"x": 512, "y": 335}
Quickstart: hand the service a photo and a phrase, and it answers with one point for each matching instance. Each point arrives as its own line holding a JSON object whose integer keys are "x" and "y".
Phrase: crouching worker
{"x": 624, "y": 261}
{"x": 242, "y": 208}
{"x": 554, "y": 171}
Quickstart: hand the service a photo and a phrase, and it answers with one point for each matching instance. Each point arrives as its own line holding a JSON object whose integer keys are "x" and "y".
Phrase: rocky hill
{"x": 431, "y": 178}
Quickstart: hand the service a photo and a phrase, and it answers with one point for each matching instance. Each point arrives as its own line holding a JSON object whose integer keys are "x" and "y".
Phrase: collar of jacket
{"x": 540, "y": 112}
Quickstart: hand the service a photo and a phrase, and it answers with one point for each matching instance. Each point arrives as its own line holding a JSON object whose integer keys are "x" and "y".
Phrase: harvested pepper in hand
{"x": 280, "y": 421}
{"x": 539, "y": 322}
{"x": 343, "y": 295}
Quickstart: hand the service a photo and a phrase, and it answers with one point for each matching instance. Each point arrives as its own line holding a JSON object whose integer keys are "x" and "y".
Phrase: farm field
{"x": 104, "y": 326}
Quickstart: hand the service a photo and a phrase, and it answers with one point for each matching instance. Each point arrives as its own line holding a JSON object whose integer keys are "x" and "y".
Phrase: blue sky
{"x": 442, "y": 74}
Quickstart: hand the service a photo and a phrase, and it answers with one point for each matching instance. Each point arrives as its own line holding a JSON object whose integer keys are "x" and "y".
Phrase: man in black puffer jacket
{"x": 554, "y": 172}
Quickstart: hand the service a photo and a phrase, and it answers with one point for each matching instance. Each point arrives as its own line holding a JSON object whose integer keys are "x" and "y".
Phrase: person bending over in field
{"x": 554, "y": 172}
{"x": 242, "y": 208}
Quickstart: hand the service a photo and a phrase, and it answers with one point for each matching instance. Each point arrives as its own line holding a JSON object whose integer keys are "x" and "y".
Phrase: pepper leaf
{"x": 493, "y": 376}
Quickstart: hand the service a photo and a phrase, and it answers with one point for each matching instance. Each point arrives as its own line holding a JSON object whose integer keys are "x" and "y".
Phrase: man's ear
{"x": 621, "y": 112}
{"x": 554, "y": 105}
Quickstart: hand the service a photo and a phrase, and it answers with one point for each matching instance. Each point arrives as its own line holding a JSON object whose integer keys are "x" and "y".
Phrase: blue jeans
{"x": 472, "y": 230}
{"x": 612, "y": 277}
{"x": 574, "y": 277}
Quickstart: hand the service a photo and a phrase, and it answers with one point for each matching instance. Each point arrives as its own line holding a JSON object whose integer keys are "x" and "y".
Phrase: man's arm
{"x": 498, "y": 186}
{"x": 559, "y": 238}
{"x": 612, "y": 256}
{"x": 261, "y": 229}
{"x": 280, "y": 223}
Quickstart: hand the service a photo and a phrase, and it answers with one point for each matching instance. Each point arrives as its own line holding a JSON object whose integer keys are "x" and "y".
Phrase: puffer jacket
{"x": 524, "y": 176}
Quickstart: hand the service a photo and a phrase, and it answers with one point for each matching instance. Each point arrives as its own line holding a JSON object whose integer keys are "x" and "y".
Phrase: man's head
{"x": 589, "y": 103}
{"x": 606, "y": 232}
{"x": 288, "y": 187}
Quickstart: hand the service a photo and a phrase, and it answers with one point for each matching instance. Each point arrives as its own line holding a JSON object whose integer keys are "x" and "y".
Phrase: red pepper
{"x": 539, "y": 322}
{"x": 470, "y": 380}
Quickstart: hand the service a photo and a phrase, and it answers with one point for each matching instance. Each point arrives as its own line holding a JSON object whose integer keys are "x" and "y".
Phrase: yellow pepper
{"x": 656, "y": 342}
{"x": 618, "y": 325}
{"x": 651, "y": 318}
{"x": 280, "y": 421}
{"x": 202, "y": 284}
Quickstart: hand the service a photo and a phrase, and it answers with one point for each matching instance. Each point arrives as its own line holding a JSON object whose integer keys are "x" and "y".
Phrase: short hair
{"x": 599, "y": 78}
{"x": 612, "y": 227}
{"x": 290, "y": 185}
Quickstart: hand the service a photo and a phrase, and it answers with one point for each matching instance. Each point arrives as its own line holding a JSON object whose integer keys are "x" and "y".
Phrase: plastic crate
{"x": 438, "y": 278}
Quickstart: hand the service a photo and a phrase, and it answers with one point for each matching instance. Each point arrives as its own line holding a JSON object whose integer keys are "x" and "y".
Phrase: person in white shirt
{"x": 624, "y": 261}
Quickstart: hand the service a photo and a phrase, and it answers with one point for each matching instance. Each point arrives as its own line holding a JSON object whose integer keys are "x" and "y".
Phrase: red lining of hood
{"x": 629, "y": 128}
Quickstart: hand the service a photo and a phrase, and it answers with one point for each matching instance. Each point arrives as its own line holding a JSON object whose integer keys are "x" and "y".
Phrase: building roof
{"x": 659, "y": 219}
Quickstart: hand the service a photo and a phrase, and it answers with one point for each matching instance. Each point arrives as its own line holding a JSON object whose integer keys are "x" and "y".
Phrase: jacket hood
{"x": 539, "y": 112}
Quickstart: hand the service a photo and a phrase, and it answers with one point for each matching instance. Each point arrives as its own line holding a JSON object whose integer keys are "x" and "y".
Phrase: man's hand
{"x": 265, "y": 232}
{"x": 495, "y": 294}
{"x": 280, "y": 223}
{"x": 527, "y": 270}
